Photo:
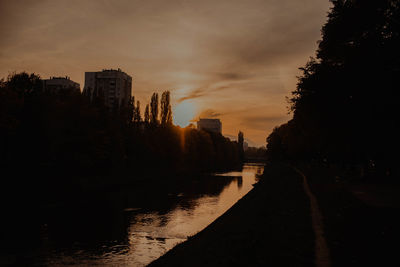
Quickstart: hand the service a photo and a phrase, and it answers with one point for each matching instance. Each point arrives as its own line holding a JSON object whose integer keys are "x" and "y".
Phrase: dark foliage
{"x": 255, "y": 153}
{"x": 62, "y": 140}
{"x": 240, "y": 144}
{"x": 344, "y": 107}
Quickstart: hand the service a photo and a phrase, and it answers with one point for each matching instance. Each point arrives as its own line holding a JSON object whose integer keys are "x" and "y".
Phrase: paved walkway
{"x": 322, "y": 253}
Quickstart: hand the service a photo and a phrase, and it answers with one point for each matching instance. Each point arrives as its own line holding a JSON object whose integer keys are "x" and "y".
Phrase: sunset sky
{"x": 233, "y": 60}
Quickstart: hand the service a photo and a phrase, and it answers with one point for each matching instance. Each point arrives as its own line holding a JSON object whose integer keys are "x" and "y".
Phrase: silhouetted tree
{"x": 255, "y": 153}
{"x": 25, "y": 84}
{"x": 344, "y": 106}
{"x": 130, "y": 109}
{"x": 166, "y": 111}
{"x": 137, "y": 116}
{"x": 240, "y": 145}
{"x": 68, "y": 134}
{"x": 147, "y": 114}
{"x": 240, "y": 138}
{"x": 154, "y": 109}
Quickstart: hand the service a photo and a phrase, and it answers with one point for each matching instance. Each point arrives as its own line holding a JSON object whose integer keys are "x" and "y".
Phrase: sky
{"x": 236, "y": 60}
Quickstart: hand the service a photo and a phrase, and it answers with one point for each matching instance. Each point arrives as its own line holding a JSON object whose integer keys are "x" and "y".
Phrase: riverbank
{"x": 271, "y": 225}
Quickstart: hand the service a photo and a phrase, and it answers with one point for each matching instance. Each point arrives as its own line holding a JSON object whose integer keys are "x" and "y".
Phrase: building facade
{"x": 57, "y": 84}
{"x": 211, "y": 125}
{"x": 115, "y": 86}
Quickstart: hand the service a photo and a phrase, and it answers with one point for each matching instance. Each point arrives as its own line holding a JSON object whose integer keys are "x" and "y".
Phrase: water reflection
{"x": 132, "y": 228}
{"x": 239, "y": 182}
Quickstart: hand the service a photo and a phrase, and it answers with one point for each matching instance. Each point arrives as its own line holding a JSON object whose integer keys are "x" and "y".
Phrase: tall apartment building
{"x": 211, "y": 125}
{"x": 114, "y": 85}
{"x": 57, "y": 84}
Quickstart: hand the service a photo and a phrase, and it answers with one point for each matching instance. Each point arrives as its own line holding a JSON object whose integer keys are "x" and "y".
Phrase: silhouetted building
{"x": 211, "y": 125}
{"x": 115, "y": 86}
{"x": 57, "y": 84}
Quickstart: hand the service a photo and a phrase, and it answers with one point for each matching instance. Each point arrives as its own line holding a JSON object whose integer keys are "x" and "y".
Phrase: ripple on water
{"x": 143, "y": 234}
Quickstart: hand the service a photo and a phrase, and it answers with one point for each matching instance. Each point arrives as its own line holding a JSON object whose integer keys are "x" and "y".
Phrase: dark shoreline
{"x": 271, "y": 225}
{"x": 257, "y": 231}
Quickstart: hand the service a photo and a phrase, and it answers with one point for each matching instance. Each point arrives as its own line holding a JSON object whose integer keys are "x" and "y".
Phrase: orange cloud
{"x": 237, "y": 58}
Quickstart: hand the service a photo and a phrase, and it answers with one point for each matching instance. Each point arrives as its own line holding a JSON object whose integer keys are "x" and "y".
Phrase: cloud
{"x": 208, "y": 113}
{"x": 202, "y": 91}
{"x": 199, "y": 92}
{"x": 231, "y": 76}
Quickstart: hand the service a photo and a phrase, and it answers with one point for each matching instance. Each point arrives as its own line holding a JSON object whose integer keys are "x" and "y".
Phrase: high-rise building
{"x": 211, "y": 125}
{"x": 115, "y": 86}
{"x": 57, "y": 84}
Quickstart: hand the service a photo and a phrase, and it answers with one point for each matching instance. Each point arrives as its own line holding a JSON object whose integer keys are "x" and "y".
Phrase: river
{"x": 134, "y": 233}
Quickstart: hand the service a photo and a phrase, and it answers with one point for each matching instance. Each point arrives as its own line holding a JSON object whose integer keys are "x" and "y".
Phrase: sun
{"x": 183, "y": 113}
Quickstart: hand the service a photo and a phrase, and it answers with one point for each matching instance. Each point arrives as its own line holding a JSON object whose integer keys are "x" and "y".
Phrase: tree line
{"x": 64, "y": 133}
{"x": 345, "y": 104}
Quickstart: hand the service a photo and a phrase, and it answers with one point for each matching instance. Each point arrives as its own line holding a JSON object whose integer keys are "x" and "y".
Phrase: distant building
{"x": 114, "y": 85}
{"x": 57, "y": 84}
{"x": 211, "y": 125}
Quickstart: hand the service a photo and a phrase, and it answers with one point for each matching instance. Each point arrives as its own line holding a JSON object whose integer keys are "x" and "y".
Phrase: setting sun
{"x": 183, "y": 113}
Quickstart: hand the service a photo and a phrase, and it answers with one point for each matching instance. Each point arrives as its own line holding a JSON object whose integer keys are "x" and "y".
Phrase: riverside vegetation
{"x": 344, "y": 106}
{"x": 57, "y": 143}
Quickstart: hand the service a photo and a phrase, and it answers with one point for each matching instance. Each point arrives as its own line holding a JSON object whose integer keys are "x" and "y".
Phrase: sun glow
{"x": 183, "y": 113}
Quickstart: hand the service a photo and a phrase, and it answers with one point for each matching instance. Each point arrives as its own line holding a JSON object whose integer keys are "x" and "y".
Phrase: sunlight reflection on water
{"x": 152, "y": 233}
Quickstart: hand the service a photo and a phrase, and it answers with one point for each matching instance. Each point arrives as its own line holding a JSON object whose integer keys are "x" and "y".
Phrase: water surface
{"x": 134, "y": 233}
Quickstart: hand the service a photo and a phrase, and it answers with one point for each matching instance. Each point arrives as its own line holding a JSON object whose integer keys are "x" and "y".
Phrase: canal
{"x": 135, "y": 230}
